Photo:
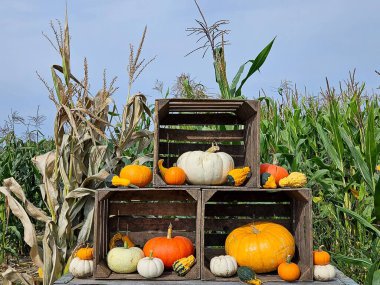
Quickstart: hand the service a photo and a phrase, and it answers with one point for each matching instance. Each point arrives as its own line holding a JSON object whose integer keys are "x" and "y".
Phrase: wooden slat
{"x": 228, "y": 225}
{"x": 213, "y": 102}
{"x": 140, "y": 238}
{"x": 192, "y": 135}
{"x": 151, "y": 224}
{"x": 180, "y": 148}
{"x": 249, "y": 196}
{"x": 151, "y": 195}
{"x": 144, "y": 209}
{"x": 201, "y": 119}
{"x": 248, "y": 210}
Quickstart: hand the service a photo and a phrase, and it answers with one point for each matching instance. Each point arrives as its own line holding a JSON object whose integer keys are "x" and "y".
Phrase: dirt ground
{"x": 23, "y": 264}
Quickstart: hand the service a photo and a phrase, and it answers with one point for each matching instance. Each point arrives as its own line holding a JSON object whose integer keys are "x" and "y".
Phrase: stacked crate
{"x": 205, "y": 214}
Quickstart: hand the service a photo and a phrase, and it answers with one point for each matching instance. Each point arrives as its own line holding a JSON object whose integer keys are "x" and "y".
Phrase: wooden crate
{"x": 178, "y": 124}
{"x": 147, "y": 214}
{"x": 226, "y": 209}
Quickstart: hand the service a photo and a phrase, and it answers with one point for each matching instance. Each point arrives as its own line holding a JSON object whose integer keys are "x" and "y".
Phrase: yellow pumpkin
{"x": 261, "y": 246}
{"x": 138, "y": 175}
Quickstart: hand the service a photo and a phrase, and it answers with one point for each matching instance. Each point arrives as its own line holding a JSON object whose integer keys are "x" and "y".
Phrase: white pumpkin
{"x": 223, "y": 265}
{"x": 206, "y": 167}
{"x": 150, "y": 267}
{"x": 324, "y": 272}
{"x": 81, "y": 268}
{"x": 124, "y": 259}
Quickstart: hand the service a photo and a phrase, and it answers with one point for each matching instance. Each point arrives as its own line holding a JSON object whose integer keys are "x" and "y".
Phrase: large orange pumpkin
{"x": 138, "y": 175}
{"x": 262, "y": 246}
{"x": 277, "y": 171}
{"x": 169, "y": 249}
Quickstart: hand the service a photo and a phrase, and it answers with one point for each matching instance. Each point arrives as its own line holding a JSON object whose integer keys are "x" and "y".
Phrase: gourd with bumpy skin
{"x": 237, "y": 176}
{"x": 182, "y": 266}
{"x": 321, "y": 257}
{"x": 173, "y": 175}
{"x": 150, "y": 267}
{"x": 295, "y": 180}
{"x": 119, "y": 239}
{"x": 124, "y": 259}
{"x": 277, "y": 171}
{"x": 288, "y": 270}
{"x": 247, "y": 275}
{"x": 268, "y": 242}
{"x": 81, "y": 268}
{"x": 223, "y": 265}
{"x": 206, "y": 167}
{"x": 139, "y": 175}
{"x": 324, "y": 272}
{"x": 267, "y": 181}
{"x": 113, "y": 180}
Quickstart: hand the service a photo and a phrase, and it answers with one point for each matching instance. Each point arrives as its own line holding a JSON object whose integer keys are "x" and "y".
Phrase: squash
{"x": 223, "y": 265}
{"x": 182, "y": 266}
{"x": 288, "y": 270}
{"x": 267, "y": 242}
{"x": 119, "y": 239}
{"x": 206, "y": 167}
{"x": 277, "y": 171}
{"x": 267, "y": 181}
{"x": 150, "y": 267}
{"x": 247, "y": 275}
{"x": 85, "y": 253}
{"x": 324, "y": 272}
{"x": 295, "y": 180}
{"x": 321, "y": 257}
{"x": 113, "y": 180}
{"x": 173, "y": 175}
{"x": 169, "y": 249}
{"x": 139, "y": 175}
{"x": 81, "y": 268}
{"x": 237, "y": 176}
{"x": 124, "y": 259}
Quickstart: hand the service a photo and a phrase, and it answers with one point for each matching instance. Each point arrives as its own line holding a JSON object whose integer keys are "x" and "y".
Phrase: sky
{"x": 315, "y": 40}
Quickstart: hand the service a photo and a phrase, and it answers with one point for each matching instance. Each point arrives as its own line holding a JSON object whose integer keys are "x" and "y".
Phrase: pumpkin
{"x": 124, "y": 259}
{"x": 173, "y": 175}
{"x": 138, "y": 175}
{"x": 150, "y": 267}
{"x": 183, "y": 265}
{"x": 267, "y": 242}
{"x": 277, "y": 171}
{"x": 237, "y": 176}
{"x": 288, "y": 270}
{"x": 81, "y": 268}
{"x": 169, "y": 249}
{"x": 85, "y": 253}
{"x": 206, "y": 167}
{"x": 119, "y": 239}
{"x": 295, "y": 179}
{"x": 113, "y": 180}
{"x": 267, "y": 181}
{"x": 324, "y": 272}
{"x": 223, "y": 266}
{"x": 247, "y": 275}
{"x": 321, "y": 257}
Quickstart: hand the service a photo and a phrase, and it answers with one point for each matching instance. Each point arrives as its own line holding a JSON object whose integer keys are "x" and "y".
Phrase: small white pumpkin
{"x": 150, "y": 267}
{"x": 124, "y": 259}
{"x": 81, "y": 268}
{"x": 206, "y": 167}
{"x": 324, "y": 272}
{"x": 223, "y": 265}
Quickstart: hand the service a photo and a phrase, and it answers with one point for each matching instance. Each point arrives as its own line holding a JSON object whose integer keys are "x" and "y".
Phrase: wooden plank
{"x": 143, "y": 208}
{"x": 151, "y": 224}
{"x": 249, "y": 196}
{"x": 212, "y": 102}
{"x": 195, "y": 135}
{"x": 252, "y": 144}
{"x": 157, "y": 180}
{"x": 201, "y": 119}
{"x": 251, "y": 210}
{"x": 141, "y": 237}
{"x": 180, "y": 148}
{"x": 151, "y": 195}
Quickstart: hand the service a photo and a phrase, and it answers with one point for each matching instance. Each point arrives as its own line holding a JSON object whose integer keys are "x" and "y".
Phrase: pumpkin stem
{"x": 275, "y": 161}
{"x": 126, "y": 244}
{"x": 214, "y": 147}
{"x": 161, "y": 167}
{"x": 320, "y": 248}
{"x": 170, "y": 230}
{"x": 255, "y": 230}
{"x": 289, "y": 259}
{"x": 151, "y": 254}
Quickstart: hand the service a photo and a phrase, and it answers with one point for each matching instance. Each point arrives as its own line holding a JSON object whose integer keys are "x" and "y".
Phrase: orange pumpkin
{"x": 288, "y": 270}
{"x": 173, "y": 175}
{"x": 321, "y": 257}
{"x": 277, "y": 171}
{"x": 169, "y": 249}
{"x": 85, "y": 253}
{"x": 262, "y": 246}
{"x": 138, "y": 175}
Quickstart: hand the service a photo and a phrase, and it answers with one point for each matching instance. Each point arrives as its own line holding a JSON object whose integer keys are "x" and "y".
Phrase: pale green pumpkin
{"x": 124, "y": 259}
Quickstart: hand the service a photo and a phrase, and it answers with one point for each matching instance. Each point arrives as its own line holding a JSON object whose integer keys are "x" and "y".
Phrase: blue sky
{"x": 315, "y": 39}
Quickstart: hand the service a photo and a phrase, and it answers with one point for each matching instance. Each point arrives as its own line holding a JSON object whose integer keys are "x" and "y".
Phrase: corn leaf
{"x": 12, "y": 276}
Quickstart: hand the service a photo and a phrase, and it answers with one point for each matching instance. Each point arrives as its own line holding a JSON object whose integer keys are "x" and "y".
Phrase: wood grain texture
{"x": 199, "y": 135}
{"x": 201, "y": 119}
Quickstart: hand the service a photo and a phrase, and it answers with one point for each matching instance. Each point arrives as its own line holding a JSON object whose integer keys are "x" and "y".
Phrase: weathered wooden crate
{"x": 187, "y": 125}
{"x": 147, "y": 213}
{"x": 226, "y": 209}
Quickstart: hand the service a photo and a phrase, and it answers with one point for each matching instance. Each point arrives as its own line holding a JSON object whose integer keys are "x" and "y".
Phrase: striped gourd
{"x": 183, "y": 265}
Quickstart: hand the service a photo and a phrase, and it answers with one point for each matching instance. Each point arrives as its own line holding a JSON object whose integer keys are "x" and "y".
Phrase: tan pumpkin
{"x": 81, "y": 268}
{"x": 267, "y": 242}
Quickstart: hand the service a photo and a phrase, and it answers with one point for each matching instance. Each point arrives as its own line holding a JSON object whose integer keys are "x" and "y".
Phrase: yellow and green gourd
{"x": 247, "y": 275}
{"x": 268, "y": 181}
{"x": 237, "y": 176}
{"x": 295, "y": 179}
{"x": 183, "y": 265}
